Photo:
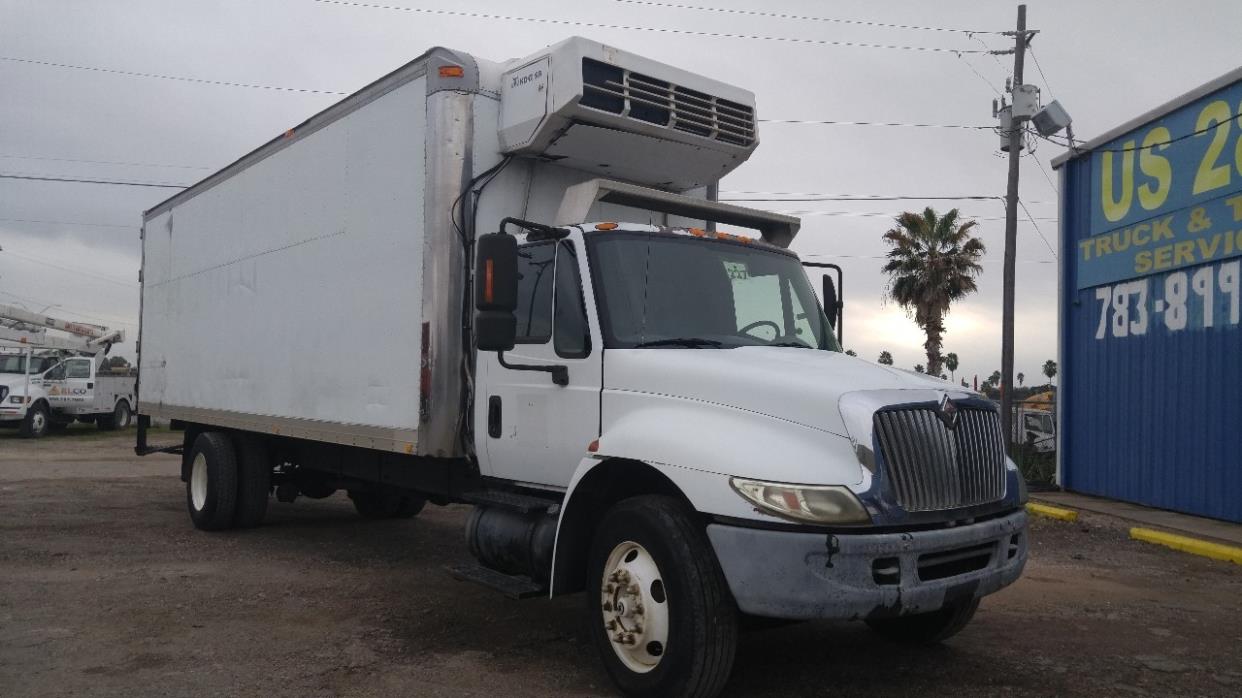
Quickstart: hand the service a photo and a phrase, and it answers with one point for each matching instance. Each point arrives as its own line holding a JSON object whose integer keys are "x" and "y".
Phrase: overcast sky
{"x": 76, "y": 245}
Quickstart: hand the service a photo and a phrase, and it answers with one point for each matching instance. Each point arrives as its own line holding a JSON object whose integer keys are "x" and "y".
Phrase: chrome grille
{"x": 933, "y": 467}
{"x": 614, "y": 89}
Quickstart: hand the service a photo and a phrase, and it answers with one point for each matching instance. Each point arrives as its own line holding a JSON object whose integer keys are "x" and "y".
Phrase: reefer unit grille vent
{"x": 933, "y": 467}
{"x": 616, "y": 90}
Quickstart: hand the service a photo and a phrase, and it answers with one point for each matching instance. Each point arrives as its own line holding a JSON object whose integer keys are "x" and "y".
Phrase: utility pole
{"x": 1016, "y": 129}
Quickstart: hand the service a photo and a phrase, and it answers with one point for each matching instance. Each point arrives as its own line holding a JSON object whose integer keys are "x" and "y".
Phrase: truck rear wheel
{"x": 386, "y": 505}
{"x": 118, "y": 419}
{"x": 211, "y": 489}
{"x": 254, "y": 481}
{"x": 660, "y": 610}
{"x": 36, "y": 422}
{"x": 926, "y": 628}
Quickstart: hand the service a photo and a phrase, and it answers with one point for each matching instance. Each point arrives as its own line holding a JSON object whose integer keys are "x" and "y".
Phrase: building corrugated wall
{"x": 1150, "y": 405}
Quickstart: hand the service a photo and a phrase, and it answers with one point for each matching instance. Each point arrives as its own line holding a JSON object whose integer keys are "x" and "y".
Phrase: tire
{"x": 37, "y": 421}
{"x": 386, "y": 505}
{"x": 926, "y": 628}
{"x": 119, "y": 418}
{"x": 254, "y": 481}
{"x": 676, "y": 634}
{"x": 211, "y": 488}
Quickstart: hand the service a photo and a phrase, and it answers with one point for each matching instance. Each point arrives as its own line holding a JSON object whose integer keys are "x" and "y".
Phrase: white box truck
{"x": 499, "y": 283}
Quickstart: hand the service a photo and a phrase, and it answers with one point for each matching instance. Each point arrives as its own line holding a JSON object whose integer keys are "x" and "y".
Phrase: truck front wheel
{"x": 36, "y": 422}
{"x": 926, "y": 628}
{"x": 211, "y": 489}
{"x": 662, "y": 616}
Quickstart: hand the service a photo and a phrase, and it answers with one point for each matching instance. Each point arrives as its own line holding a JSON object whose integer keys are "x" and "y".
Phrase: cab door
{"x": 528, "y": 428}
{"x": 70, "y": 384}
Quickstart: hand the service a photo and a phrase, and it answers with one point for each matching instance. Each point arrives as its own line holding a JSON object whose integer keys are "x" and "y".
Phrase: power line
{"x": 877, "y": 256}
{"x": 1158, "y": 144}
{"x": 1037, "y": 230}
{"x": 860, "y": 197}
{"x": 629, "y": 27}
{"x": 854, "y": 197}
{"x": 1040, "y": 69}
{"x": 42, "y": 178}
{"x": 93, "y": 225}
{"x": 160, "y": 76}
{"x": 54, "y": 265}
{"x": 101, "y": 162}
{"x": 886, "y": 214}
{"x": 980, "y": 75}
{"x": 825, "y": 122}
{"x": 1047, "y": 176}
{"x": 810, "y": 18}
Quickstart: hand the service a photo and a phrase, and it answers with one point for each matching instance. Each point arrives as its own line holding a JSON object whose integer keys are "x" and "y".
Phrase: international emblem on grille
{"x": 948, "y": 412}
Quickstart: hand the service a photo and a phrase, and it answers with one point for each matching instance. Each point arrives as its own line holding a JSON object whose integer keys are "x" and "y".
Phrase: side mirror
{"x": 495, "y": 297}
{"x": 830, "y": 300}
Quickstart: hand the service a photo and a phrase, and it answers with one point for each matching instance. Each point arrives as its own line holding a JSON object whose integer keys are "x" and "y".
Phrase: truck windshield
{"x": 663, "y": 290}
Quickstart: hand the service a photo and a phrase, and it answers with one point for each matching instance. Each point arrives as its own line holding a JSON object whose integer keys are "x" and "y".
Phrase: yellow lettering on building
{"x": 1116, "y": 208}
{"x": 1085, "y": 246}
{"x": 1157, "y": 167}
{"x": 1103, "y": 246}
{"x": 1142, "y": 262}
{"x": 1139, "y": 235}
{"x": 1163, "y": 257}
{"x": 1184, "y": 252}
{"x": 1207, "y": 251}
{"x": 1236, "y": 202}
{"x": 1162, "y": 229}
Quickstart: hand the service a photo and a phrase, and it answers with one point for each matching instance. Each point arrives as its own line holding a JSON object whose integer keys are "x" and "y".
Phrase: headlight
{"x": 817, "y": 503}
{"x": 16, "y": 399}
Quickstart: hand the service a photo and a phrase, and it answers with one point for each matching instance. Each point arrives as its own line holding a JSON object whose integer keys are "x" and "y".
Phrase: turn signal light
{"x": 452, "y": 71}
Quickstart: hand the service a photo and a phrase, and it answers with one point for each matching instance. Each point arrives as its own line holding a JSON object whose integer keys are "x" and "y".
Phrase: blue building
{"x": 1150, "y": 343}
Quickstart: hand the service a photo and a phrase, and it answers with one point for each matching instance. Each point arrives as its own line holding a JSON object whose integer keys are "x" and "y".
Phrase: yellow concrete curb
{"x": 1052, "y": 512}
{"x": 1186, "y": 544}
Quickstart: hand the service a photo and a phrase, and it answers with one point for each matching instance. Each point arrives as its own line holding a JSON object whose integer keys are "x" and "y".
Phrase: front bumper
{"x": 783, "y": 574}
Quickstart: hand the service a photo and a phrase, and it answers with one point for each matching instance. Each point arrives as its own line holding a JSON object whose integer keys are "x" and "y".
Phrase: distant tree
{"x": 886, "y": 358}
{"x": 918, "y": 368}
{"x": 1021, "y": 377}
{"x": 994, "y": 379}
{"x": 1050, "y": 370}
{"x": 944, "y": 377}
{"x": 115, "y": 362}
{"x": 851, "y": 352}
{"x": 933, "y": 262}
{"x": 950, "y": 362}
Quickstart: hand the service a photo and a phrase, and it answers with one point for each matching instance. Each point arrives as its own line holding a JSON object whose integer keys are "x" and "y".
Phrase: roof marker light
{"x": 452, "y": 71}
{"x": 605, "y": 226}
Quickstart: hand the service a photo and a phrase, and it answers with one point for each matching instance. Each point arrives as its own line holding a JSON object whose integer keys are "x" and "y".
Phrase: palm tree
{"x": 1021, "y": 377}
{"x": 994, "y": 379}
{"x": 933, "y": 262}
{"x": 950, "y": 362}
{"x": 918, "y": 368}
{"x": 1050, "y": 370}
{"x": 886, "y": 358}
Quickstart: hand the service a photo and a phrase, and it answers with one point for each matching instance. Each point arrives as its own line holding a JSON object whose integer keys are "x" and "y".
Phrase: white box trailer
{"x": 641, "y": 407}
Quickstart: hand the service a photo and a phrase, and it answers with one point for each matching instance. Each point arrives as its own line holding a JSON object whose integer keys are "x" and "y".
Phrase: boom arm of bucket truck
{"x": 22, "y": 328}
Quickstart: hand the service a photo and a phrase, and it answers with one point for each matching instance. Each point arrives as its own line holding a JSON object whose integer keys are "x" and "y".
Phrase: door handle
{"x": 493, "y": 416}
{"x": 90, "y": 386}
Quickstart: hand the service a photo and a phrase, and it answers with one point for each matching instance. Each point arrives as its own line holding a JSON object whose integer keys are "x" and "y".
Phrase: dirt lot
{"x": 106, "y": 589}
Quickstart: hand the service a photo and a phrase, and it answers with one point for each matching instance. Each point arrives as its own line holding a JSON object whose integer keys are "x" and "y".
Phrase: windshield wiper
{"x": 690, "y": 342}
{"x": 800, "y": 345}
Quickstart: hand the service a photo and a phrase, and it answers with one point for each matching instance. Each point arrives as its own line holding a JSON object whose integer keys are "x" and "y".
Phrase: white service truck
{"x": 48, "y": 382}
{"x": 500, "y": 284}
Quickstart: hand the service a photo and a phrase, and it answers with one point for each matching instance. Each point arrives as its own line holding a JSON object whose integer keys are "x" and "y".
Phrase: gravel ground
{"x": 106, "y": 589}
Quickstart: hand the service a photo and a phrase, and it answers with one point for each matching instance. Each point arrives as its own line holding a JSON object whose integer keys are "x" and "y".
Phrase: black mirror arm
{"x": 560, "y": 374}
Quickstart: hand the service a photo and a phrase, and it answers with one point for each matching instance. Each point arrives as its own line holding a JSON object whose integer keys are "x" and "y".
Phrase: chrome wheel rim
{"x": 634, "y": 606}
{"x": 38, "y": 421}
{"x": 198, "y": 482}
